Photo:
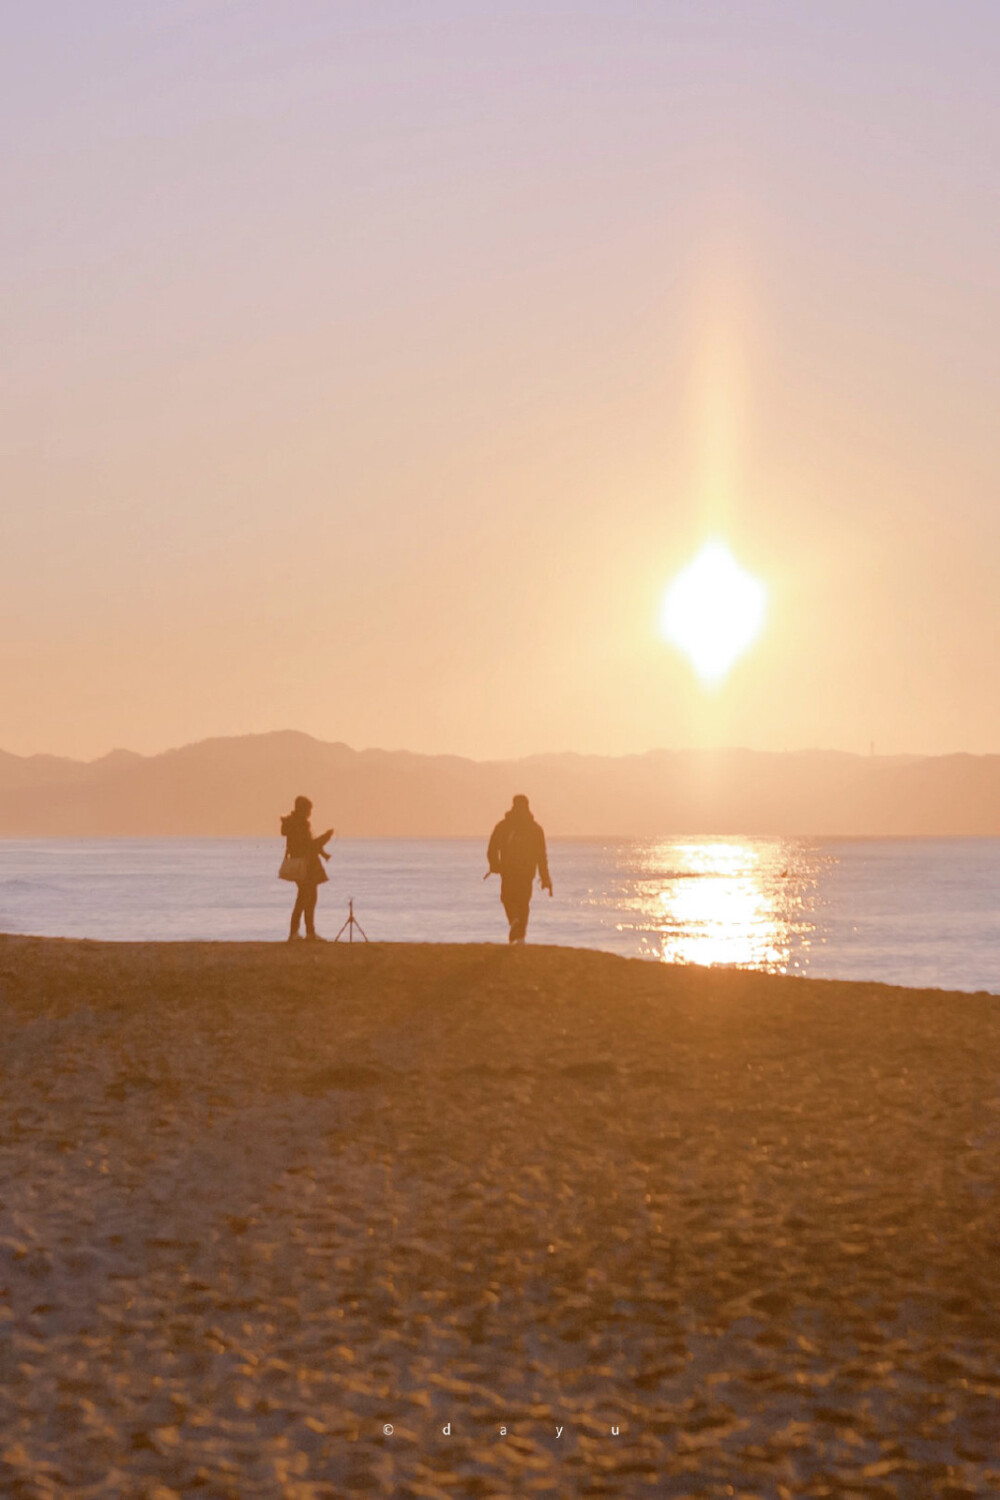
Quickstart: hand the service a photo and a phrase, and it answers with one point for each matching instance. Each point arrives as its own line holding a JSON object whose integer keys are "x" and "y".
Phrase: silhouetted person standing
{"x": 300, "y": 845}
{"x": 516, "y": 850}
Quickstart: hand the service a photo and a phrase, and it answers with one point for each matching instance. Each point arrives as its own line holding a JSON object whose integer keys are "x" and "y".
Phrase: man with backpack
{"x": 516, "y": 850}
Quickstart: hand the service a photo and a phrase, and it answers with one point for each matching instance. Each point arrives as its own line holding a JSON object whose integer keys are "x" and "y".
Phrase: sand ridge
{"x": 258, "y": 1202}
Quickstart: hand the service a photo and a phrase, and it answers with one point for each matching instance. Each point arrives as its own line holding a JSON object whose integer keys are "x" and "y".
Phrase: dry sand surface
{"x": 258, "y": 1201}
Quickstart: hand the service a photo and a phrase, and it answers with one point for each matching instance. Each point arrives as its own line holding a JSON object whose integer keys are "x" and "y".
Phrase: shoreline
{"x": 258, "y": 1202}
{"x": 647, "y": 961}
{"x": 907, "y": 914}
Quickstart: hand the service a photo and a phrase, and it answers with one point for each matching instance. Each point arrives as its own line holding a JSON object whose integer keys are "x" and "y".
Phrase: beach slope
{"x": 566, "y": 1223}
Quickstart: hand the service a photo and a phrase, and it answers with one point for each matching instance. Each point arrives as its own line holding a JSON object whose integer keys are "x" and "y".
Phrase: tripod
{"x": 350, "y": 925}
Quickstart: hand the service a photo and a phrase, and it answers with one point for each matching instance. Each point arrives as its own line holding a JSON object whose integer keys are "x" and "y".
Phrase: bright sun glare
{"x": 713, "y": 612}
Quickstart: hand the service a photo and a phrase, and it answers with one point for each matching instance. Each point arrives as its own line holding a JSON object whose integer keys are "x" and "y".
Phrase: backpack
{"x": 519, "y": 852}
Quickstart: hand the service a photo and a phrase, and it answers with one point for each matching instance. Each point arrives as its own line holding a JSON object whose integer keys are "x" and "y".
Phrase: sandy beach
{"x": 259, "y": 1203}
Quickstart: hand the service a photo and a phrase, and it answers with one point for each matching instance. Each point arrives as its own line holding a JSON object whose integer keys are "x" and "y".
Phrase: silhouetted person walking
{"x": 516, "y": 850}
{"x": 303, "y": 864}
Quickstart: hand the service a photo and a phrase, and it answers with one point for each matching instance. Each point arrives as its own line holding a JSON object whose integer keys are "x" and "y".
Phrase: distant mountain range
{"x": 242, "y": 785}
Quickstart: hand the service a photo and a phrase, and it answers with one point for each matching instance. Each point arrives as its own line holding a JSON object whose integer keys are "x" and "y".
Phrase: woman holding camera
{"x": 303, "y": 864}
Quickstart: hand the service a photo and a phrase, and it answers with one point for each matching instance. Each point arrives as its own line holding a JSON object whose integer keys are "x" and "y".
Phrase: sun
{"x": 713, "y": 612}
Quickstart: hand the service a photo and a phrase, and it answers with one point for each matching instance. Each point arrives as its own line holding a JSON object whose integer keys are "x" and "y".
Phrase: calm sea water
{"x": 907, "y": 911}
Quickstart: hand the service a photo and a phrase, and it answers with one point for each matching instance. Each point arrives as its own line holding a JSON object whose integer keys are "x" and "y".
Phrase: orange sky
{"x": 371, "y": 370}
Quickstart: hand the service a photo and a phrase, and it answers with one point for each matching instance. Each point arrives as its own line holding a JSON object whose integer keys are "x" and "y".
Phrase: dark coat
{"x": 300, "y": 844}
{"x": 517, "y": 849}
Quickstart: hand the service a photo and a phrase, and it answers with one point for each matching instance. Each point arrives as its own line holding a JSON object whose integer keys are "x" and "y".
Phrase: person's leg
{"x": 519, "y": 923}
{"x": 507, "y": 900}
{"x": 309, "y": 894}
{"x": 297, "y": 911}
{"x": 516, "y": 897}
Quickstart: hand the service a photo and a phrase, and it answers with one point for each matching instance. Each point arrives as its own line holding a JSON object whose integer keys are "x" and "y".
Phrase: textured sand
{"x": 256, "y": 1202}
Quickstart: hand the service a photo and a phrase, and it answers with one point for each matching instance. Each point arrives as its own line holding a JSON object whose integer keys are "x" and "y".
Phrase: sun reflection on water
{"x": 722, "y": 901}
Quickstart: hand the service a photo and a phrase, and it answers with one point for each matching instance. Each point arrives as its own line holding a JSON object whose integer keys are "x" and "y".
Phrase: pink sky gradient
{"x": 370, "y": 369}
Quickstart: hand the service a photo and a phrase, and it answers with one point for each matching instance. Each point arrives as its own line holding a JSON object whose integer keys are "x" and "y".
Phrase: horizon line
{"x": 535, "y": 755}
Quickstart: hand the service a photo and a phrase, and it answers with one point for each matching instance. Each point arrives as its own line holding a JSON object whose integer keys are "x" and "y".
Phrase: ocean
{"x": 921, "y": 912}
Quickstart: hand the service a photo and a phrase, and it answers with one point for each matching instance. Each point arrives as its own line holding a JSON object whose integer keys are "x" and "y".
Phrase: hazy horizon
{"x": 722, "y": 749}
{"x": 375, "y": 370}
{"x": 242, "y": 785}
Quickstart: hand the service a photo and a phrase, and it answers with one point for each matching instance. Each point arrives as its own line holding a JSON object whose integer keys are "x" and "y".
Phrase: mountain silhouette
{"x": 241, "y": 785}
